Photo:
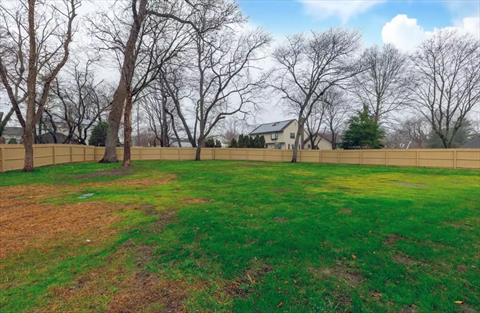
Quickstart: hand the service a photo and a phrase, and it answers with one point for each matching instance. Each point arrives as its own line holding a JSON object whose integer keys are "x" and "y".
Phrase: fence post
{"x": 54, "y": 157}
{"x": 71, "y": 153}
{"x": 2, "y": 167}
{"x": 455, "y": 158}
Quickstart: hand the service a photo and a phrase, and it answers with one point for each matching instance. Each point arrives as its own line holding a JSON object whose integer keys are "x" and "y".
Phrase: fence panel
{"x": 12, "y": 156}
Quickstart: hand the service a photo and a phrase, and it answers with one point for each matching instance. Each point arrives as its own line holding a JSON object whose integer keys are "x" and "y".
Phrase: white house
{"x": 281, "y": 135}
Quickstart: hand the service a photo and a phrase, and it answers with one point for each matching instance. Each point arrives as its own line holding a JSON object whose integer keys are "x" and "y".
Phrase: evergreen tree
{"x": 261, "y": 142}
{"x": 241, "y": 141}
{"x": 363, "y": 132}
{"x": 99, "y": 135}
{"x": 233, "y": 143}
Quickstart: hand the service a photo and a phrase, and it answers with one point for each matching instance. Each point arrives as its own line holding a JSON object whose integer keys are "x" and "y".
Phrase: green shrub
{"x": 99, "y": 135}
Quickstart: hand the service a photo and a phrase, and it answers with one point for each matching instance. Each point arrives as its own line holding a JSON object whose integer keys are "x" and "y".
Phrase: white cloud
{"x": 344, "y": 9}
{"x": 406, "y": 34}
{"x": 470, "y": 25}
{"x": 403, "y": 32}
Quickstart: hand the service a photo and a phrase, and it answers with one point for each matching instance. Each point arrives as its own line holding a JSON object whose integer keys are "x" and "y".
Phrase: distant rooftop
{"x": 13, "y": 131}
{"x": 274, "y": 127}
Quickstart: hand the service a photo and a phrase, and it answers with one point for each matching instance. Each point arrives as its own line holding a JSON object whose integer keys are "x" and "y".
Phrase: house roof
{"x": 317, "y": 136}
{"x": 13, "y": 131}
{"x": 274, "y": 127}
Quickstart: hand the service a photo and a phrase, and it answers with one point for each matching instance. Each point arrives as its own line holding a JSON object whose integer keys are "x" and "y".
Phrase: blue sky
{"x": 281, "y": 17}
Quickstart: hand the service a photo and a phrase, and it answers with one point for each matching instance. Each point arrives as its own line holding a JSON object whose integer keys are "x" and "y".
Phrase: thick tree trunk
{"x": 127, "y": 132}
{"x": 120, "y": 95}
{"x": 114, "y": 119}
{"x": 298, "y": 136}
{"x": 28, "y": 145}
{"x": 198, "y": 151}
{"x": 31, "y": 90}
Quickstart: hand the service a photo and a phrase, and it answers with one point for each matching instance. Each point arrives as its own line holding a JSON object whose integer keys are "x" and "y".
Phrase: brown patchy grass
{"x": 144, "y": 292}
{"x": 117, "y": 289}
{"x": 341, "y": 272}
{"x": 242, "y": 286}
{"x": 27, "y": 220}
{"x": 122, "y": 171}
{"x": 345, "y": 211}
{"x": 392, "y": 239}
{"x": 196, "y": 201}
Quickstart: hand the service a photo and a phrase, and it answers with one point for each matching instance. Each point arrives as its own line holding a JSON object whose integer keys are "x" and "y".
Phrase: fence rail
{"x": 12, "y": 156}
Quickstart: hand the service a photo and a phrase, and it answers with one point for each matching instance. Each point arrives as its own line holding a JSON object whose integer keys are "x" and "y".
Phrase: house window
{"x": 274, "y": 136}
{"x": 292, "y": 135}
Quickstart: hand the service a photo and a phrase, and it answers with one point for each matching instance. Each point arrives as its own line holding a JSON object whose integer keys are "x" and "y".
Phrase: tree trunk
{"x": 31, "y": 90}
{"x": 120, "y": 95}
{"x": 127, "y": 132}
{"x": 333, "y": 138}
{"x": 297, "y": 140}
{"x": 164, "y": 124}
{"x": 198, "y": 151}
{"x": 28, "y": 145}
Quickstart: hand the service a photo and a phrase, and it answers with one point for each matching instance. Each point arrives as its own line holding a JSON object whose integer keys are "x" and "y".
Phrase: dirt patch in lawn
{"x": 405, "y": 259}
{"x": 196, "y": 200}
{"x": 244, "y": 285}
{"x": 345, "y": 211}
{"x": 340, "y": 272}
{"x": 409, "y": 309}
{"x": 392, "y": 239}
{"x": 139, "y": 183}
{"x": 121, "y": 171}
{"x": 27, "y": 222}
{"x": 114, "y": 288}
{"x": 280, "y": 219}
{"x": 144, "y": 291}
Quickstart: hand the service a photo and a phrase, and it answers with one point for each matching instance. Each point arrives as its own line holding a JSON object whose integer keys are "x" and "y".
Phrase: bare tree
{"x": 79, "y": 101}
{"x": 447, "y": 82}
{"x": 12, "y": 60}
{"x": 313, "y": 125}
{"x": 160, "y": 113}
{"x": 127, "y": 52}
{"x": 224, "y": 81}
{"x": 160, "y": 41}
{"x": 413, "y": 132}
{"x": 4, "y": 119}
{"x": 141, "y": 10}
{"x": 382, "y": 88}
{"x": 309, "y": 66}
{"x": 217, "y": 77}
{"x": 42, "y": 41}
{"x": 336, "y": 114}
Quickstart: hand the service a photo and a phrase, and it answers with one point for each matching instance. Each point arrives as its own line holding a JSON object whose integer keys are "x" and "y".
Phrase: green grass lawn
{"x": 226, "y": 236}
